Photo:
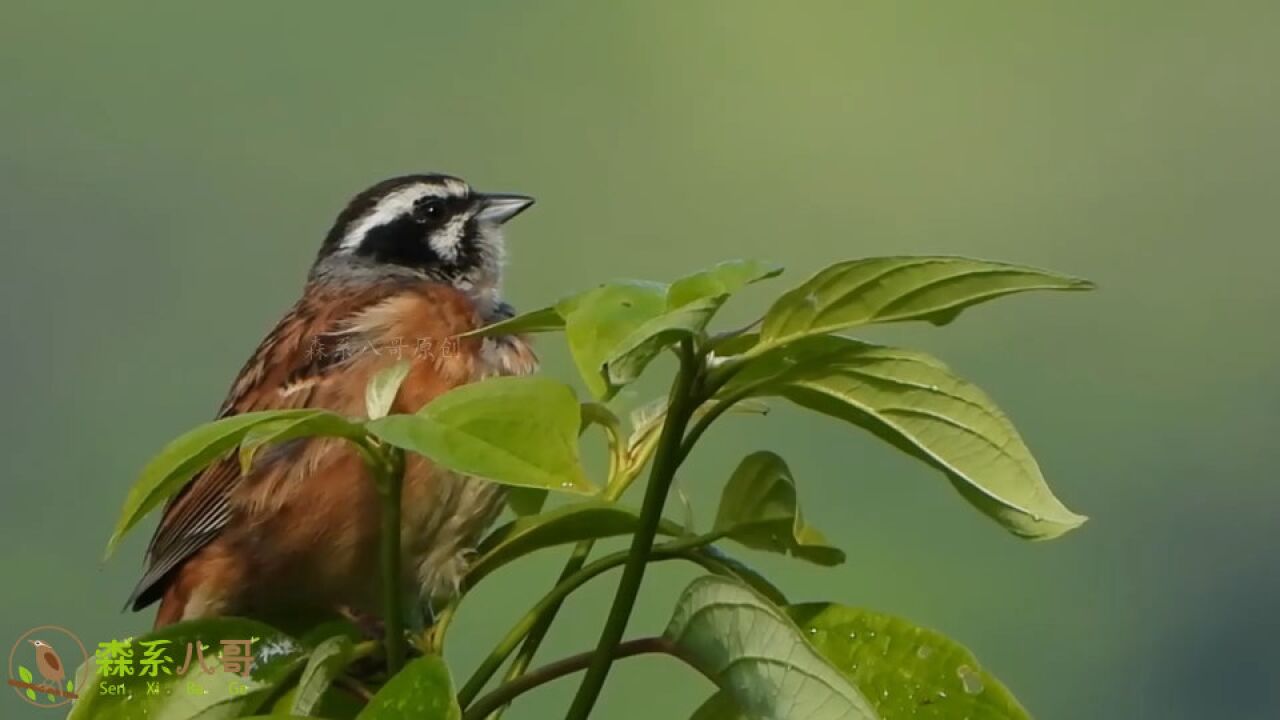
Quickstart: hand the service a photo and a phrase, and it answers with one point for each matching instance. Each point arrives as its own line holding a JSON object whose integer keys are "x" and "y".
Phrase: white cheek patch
{"x": 446, "y": 240}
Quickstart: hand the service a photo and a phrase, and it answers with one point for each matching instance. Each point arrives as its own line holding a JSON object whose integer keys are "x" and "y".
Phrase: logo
{"x": 38, "y": 666}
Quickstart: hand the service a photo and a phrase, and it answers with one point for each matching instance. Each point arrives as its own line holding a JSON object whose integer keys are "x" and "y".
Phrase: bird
{"x": 49, "y": 664}
{"x": 408, "y": 266}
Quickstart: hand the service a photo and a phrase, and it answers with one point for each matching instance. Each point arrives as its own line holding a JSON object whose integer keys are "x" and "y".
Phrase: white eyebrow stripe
{"x": 395, "y": 205}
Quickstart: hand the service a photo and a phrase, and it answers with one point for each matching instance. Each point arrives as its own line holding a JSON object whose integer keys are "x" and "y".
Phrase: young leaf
{"x": 422, "y": 689}
{"x": 567, "y": 524}
{"x": 907, "y": 671}
{"x": 691, "y": 303}
{"x": 721, "y": 281}
{"x": 914, "y": 402}
{"x": 326, "y": 663}
{"x": 25, "y": 674}
{"x": 759, "y": 509}
{"x": 512, "y": 430}
{"x": 536, "y": 321}
{"x": 218, "y": 693}
{"x": 380, "y": 394}
{"x": 758, "y": 656}
{"x": 313, "y": 423}
{"x": 181, "y": 459}
{"x": 895, "y": 289}
{"x": 598, "y": 321}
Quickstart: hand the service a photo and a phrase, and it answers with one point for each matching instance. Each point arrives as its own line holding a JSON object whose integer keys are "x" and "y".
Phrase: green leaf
{"x": 564, "y": 525}
{"x": 519, "y": 431}
{"x": 896, "y": 289}
{"x": 544, "y": 320}
{"x": 721, "y": 563}
{"x": 326, "y": 663}
{"x": 691, "y": 303}
{"x": 907, "y": 671}
{"x": 723, "y": 280}
{"x": 600, "y": 320}
{"x": 217, "y": 694}
{"x": 914, "y": 402}
{"x": 31, "y": 694}
{"x": 422, "y": 689}
{"x": 25, "y": 674}
{"x": 182, "y": 459}
{"x": 313, "y": 423}
{"x": 756, "y": 655}
{"x": 759, "y": 509}
{"x": 380, "y": 393}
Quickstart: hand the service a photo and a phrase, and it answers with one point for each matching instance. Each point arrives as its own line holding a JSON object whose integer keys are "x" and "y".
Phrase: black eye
{"x": 426, "y": 211}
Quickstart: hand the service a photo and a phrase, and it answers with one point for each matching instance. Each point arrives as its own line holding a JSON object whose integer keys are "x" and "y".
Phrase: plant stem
{"x": 390, "y": 484}
{"x": 495, "y": 700}
{"x": 665, "y": 462}
{"x": 679, "y": 549}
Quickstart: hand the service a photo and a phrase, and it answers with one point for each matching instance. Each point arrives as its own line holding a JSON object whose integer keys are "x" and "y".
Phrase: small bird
{"x": 408, "y": 265}
{"x": 49, "y": 664}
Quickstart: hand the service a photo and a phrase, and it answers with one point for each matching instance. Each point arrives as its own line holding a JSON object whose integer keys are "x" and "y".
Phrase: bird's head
{"x": 435, "y": 226}
{"x": 39, "y": 643}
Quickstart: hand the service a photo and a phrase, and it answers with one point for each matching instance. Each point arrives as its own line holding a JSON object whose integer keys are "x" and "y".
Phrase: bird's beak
{"x": 500, "y": 207}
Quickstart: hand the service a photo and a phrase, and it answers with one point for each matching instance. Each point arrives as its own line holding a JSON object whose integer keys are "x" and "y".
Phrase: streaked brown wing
{"x": 284, "y": 372}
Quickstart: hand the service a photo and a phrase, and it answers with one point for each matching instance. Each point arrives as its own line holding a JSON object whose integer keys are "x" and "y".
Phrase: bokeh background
{"x": 167, "y": 171}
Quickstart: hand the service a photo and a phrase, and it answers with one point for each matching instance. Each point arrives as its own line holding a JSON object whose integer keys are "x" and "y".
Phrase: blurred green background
{"x": 167, "y": 172}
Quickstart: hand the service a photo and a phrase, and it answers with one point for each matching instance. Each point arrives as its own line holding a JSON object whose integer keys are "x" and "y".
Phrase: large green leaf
{"x": 512, "y": 430}
{"x": 326, "y": 662}
{"x": 907, "y": 672}
{"x": 894, "y": 289}
{"x": 313, "y": 423}
{"x": 691, "y": 302}
{"x": 561, "y": 526}
{"x": 758, "y": 508}
{"x": 181, "y": 459}
{"x": 600, "y": 320}
{"x": 422, "y": 689}
{"x": 218, "y": 693}
{"x": 721, "y": 281}
{"x": 755, "y": 654}
{"x": 542, "y": 320}
{"x": 913, "y": 401}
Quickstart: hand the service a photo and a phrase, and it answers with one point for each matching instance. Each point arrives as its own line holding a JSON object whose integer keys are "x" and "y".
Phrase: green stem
{"x": 665, "y": 462}
{"x": 679, "y": 549}
{"x": 499, "y": 698}
{"x": 390, "y": 484}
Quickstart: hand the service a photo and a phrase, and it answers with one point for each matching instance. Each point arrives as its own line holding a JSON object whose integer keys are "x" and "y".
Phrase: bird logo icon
{"x": 38, "y": 672}
{"x": 48, "y": 663}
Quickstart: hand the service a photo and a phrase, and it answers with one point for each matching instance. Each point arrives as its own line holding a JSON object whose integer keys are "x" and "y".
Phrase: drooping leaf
{"x": 218, "y": 693}
{"x": 325, "y": 663}
{"x": 561, "y": 526}
{"x": 914, "y": 402}
{"x": 380, "y": 394}
{"x": 717, "y": 561}
{"x": 423, "y": 689}
{"x": 691, "y": 302}
{"x": 313, "y": 423}
{"x": 181, "y": 459}
{"x": 757, "y": 656}
{"x": 906, "y": 671}
{"x": 896, "y": 289}
{"x": 758, "y": 508}
{"x": 512, "y": 430}
{"x": 536, "y": 321}
{"x": 723, "y": 280}
{"x": 598, "y": 321}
